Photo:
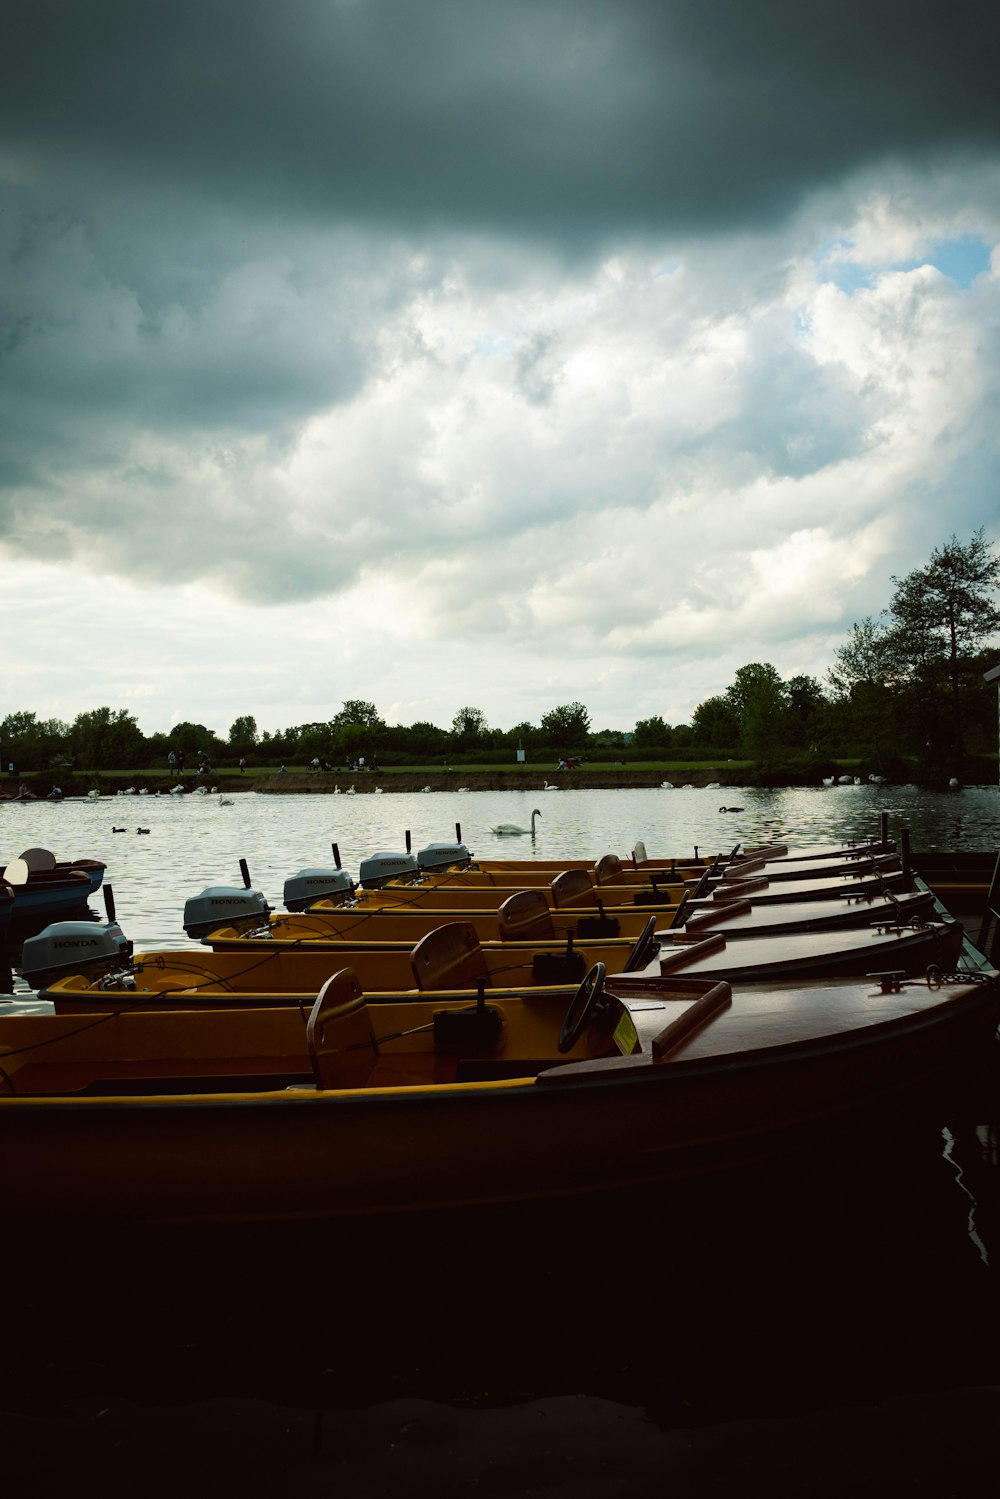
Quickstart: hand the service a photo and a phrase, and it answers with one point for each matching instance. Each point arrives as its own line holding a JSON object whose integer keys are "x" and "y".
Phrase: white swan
{"x": 666, "y": 785}
{"x": 549, "y": 787}
{"x": 225, "y": 801}
{"x": 510, "y": 829}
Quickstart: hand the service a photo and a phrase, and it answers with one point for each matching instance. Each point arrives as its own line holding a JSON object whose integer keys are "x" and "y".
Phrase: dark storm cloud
{"x": 562, "y": 118}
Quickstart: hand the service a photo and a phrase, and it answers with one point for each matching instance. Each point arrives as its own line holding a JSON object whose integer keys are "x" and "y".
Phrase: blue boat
{"x": 44, "y": 885}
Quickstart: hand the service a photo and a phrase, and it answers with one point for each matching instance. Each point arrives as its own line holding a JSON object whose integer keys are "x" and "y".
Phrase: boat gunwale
{"x": 967, "y": 1002}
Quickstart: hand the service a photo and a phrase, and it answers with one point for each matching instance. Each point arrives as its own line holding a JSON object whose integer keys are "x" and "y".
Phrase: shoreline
{"x": 525, "y": 780}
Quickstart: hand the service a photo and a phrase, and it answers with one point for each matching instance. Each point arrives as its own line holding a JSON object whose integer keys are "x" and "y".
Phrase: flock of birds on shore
{"x": 502, "y": 829}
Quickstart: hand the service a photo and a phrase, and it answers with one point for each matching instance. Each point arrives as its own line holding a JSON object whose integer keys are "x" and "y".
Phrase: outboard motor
{"x": 225, "y": 905}
{"x": 438, "y": 856}
{"x": 91, "y": 949}
{"x": 310, "y": 885}
{"x": 379, "y": 869}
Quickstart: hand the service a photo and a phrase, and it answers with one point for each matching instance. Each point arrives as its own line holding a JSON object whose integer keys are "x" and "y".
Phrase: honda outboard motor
{"x": 89, "y": 948}
{"x": 379, "y": 869}
{"x": 310, "y": 885}
{"x": 438, "y": 856}
{"x": 225, "y": 905}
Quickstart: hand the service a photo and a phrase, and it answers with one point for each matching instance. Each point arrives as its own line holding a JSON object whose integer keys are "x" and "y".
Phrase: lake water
{"x": 194, "y": 841}
{"x": 864, "y": 1274}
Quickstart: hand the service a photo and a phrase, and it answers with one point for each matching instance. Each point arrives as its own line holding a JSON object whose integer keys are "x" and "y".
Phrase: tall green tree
{"x": 32, "y": 743}
{"x": 195, "y": 739}
{"x": 468, "y": 727}
{"x": 421, "y": 740}
{"x": 943, "y": 612}
{"x": 566, "y": 727}
{"x": 358, "y": 729}
{"x": 759, "y": 699}
{"x": 107, "y": 739}
{"x": 243, "y": 734}
{"x": 867, "y": 678}
{"x": 807, "y": 708}
{"x": 356, "y": 711}
{"x": 651, "y": 733}
{"x": 715, "y": 723}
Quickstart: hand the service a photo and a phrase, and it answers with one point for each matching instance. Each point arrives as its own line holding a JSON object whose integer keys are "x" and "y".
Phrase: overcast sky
{"x": 500, "y": 353}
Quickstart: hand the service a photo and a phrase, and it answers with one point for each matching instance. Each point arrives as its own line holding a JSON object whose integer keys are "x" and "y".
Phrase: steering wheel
{"x": 643, "y": 947}
{"x": 582, "y": 1007}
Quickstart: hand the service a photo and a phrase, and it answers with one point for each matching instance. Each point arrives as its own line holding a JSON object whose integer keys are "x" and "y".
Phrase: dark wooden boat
{"x": 351, "y": 1109}
{"x": 765, "y": 891}
{"x": 746, "y": 918}
{"x": 961, "y": 879}
{"x": 817, "y": 954}
{"x": 777, "y": 870}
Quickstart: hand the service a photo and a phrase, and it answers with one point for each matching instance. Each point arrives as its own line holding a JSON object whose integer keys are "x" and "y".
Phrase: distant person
{"x": 172, "y": 763}
{"x": 281, "y": 770}
{"x": 243, "y": 765}
{"x": 180, "y": 761}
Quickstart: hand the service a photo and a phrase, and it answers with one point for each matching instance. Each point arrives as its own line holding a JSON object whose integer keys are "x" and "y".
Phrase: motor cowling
{"x": 225, "y": 905}
{"x": 310, "y": 885}
{"x": 88, "y": 948}
{"x": 437, "y": 856}
{"x": 379, "y": 869}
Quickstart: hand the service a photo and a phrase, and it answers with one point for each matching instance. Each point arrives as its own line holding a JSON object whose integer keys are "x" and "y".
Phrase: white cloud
{"x": 479, "y": 388}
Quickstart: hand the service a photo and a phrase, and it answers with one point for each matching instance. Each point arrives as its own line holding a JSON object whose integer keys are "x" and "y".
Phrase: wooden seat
{"x": 339, "y": 1033}
{"x": 39, "y": 859}
{"x": 608, "y": 870}
{"x": 526, "y": 916}
{"x": 449, "y": 957}
{"x": 573, "y": 887}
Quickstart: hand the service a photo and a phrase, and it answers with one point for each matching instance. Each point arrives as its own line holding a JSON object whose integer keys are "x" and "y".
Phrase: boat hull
{"x": 823, "y": 1057}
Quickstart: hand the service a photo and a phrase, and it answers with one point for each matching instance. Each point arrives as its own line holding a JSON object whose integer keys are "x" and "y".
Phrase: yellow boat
{"x": 570, "y": 887}
{"x": 525, "y": 915}
{"x": 236, "y": 910}
{"x": 357, "y": 1109}
{"x": 607, "y": 872}
{"x": 449, "y": 958}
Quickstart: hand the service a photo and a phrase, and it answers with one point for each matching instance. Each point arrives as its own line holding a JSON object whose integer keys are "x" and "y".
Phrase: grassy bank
{"x": 528, "y": 779}
{"x": 594, "y": 775}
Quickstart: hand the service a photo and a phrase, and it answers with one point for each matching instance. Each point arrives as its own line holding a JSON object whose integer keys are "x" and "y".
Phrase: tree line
{"x": 906, "y": 689}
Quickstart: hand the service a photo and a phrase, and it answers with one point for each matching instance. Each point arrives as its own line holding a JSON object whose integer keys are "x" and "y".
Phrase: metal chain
{"x": 936, "y": 977}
